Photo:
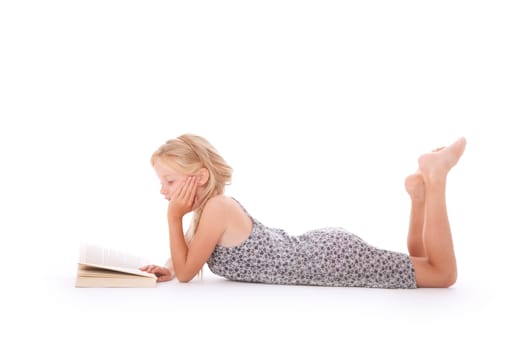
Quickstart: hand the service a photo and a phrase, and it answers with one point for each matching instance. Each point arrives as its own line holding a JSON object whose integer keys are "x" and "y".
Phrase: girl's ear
{"x": 204, "y": 176}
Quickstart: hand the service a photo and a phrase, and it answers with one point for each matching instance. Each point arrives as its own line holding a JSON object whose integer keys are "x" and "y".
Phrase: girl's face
{"x": 168, "y": 179}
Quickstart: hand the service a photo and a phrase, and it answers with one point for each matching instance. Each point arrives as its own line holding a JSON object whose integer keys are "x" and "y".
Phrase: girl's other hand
{"x": 163, "y": 274}
{"x": 183, "y": 198}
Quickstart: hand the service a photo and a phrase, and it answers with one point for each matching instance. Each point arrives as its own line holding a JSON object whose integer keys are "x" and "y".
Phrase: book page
{"x": 97, "y": 255}
{"x": 94, "y": 270}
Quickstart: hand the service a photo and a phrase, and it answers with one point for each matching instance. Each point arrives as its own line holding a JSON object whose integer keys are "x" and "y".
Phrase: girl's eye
{"x": 170, "y": 182}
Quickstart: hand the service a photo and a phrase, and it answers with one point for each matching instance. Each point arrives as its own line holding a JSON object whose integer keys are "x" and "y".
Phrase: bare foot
{"x": 437, "y": 164}
{"x": 415, "y": 187}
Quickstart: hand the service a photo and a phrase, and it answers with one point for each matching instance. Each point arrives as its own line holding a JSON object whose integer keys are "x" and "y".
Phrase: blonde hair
{"x": 187, "y": 154}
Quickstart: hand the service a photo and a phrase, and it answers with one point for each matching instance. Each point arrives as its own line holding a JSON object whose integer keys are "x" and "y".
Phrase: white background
{"x": 321, "y": 108}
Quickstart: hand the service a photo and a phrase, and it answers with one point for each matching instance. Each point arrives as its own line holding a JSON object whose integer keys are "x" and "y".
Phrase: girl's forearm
{"x": 178, "y": 249}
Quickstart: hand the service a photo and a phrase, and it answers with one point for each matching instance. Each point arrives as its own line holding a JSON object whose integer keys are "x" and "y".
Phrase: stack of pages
{"x": 104, "y": 267}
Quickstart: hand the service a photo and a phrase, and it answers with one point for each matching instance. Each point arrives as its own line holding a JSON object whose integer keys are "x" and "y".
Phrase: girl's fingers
{"x": 179, "y": 189}
{"x": 184, "y": 187}
{"x": 184, "y": 195}
{"x": 192, "y": 189}
{"x": 149, "y": 268}
{"x": 188, "y": 189}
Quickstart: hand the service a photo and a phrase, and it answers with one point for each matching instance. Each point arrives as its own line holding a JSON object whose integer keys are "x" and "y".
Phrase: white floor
{"x": 217, "y": 313}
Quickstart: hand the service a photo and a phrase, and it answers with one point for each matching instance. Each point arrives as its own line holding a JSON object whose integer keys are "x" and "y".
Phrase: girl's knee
{"x": 429, "y": 276}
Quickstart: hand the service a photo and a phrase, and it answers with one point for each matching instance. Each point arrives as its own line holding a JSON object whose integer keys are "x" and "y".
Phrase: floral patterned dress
{"x": 329, "y": 256}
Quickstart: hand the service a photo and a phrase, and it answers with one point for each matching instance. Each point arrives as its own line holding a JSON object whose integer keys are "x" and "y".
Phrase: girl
{"x": 238, "y": 247}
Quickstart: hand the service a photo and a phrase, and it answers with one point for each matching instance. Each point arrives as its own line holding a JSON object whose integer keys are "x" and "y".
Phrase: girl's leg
{"x": 438, "y": 268}
{"x": 416, "y": 189}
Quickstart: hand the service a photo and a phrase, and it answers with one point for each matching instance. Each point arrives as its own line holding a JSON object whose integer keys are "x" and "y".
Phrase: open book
{"x": 104, "y": 267}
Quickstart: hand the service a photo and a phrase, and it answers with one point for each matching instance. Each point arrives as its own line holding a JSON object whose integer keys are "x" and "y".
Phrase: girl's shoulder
{"x": 227, "y": 211}
{"x": 221, "y": 203}
{"x": 225, "y": 205}
{"x": 220, "y": 200}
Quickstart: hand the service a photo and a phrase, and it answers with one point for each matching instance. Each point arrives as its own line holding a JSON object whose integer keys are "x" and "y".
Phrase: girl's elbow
{"x": 184, "y": 277}
{"x": 184, "y": 280}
